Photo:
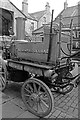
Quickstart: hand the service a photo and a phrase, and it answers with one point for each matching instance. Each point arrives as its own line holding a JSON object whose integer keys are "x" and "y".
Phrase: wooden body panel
{"x": 38, "y": 51}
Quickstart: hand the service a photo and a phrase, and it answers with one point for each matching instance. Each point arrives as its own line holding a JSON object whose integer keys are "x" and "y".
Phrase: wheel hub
{"x": 35, "y": 97}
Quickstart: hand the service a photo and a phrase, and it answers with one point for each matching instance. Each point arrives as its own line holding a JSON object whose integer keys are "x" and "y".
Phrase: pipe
{"x": 50, "y": 43}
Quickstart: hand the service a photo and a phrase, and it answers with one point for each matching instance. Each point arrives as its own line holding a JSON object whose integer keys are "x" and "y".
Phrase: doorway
{"x": 6, "y": 21}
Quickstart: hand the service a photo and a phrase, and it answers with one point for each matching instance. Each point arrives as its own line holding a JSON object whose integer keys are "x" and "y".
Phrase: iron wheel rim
{"x": 38, "y": 99}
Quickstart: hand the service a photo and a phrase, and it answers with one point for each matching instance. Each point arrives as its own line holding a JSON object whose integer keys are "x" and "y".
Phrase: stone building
{"x": 9, "y": 12}
{"x": 67, "y": 14}
{"x": 42, "y": 17}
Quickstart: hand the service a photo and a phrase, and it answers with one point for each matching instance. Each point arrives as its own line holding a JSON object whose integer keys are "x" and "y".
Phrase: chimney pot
{"x": 65, "y": 4}
{"x": 47, "y": 6}
{"x": 25, "y": 7}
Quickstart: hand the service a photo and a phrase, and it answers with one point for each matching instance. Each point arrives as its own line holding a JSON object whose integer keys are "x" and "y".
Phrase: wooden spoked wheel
{"x": 69, "y": 87}
{"x": 37, "y": 97}
{"x": 3, "y": 78}
{"x": 66, "y": 89}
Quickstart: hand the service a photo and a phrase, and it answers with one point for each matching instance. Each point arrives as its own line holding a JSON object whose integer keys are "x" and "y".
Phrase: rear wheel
{"x": 3, "y": 77}
{"x": 37, "y": 97}
{"x": 69, "y": 75}
{"x": 66, "y": 89}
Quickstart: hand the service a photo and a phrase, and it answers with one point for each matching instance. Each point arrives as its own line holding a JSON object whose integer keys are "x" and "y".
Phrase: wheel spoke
{"x": 37, "y": 106}
{"x": 45, "y": 98}
{"x": 35, "y": 89}
{"x": 26, "y": 95}
{"x": 28, "y": 90}
{"x": 33, "y": 104}
{"x": 30, "y": 87}
{"x": 31, "y": 101}
{"x": 44, "y": 103}
{"x": 2, "y": 73}
{"x": 43, "y": 94}
{"x": 2, "y": 80}
{"x": 39, "y": 88}
{"x": 41, "y": 107}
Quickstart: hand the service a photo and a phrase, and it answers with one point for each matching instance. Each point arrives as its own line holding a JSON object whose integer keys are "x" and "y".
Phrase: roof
{"x": 6, "y": 4}
{"x": 68, "y": 14}
{"x": 41, "y": 29}
{"x": 29, "y": 17}
{"x": 38, "y": 15}
{"x": 70, "y": 11}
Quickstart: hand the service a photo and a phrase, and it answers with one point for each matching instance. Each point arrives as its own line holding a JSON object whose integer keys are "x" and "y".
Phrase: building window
{"x": 6, "y": 20}
{"x": 32, "y": 26}
{"x": 44, "y": 19}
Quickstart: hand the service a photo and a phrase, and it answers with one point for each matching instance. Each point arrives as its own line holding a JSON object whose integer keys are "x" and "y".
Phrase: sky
{"x": 39, "y": 5}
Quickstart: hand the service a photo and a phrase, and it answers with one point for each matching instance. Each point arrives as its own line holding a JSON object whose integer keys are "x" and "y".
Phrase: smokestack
{"x": 20, "y": 28}
{"x": 25, "y": 7}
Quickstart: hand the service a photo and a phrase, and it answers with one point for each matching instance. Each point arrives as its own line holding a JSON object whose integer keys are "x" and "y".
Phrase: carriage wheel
{"x": 37, "y": 97}
{"x": 66, "y": 89}
{"x": 3, "y": 78}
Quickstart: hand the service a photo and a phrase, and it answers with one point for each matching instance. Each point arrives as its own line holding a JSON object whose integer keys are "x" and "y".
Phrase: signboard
{"x": 76, "y": 38}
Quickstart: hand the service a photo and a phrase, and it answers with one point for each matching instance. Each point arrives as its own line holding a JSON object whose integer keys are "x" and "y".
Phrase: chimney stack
{"x": 25, "y": 7}
{"x": 65, "y": 4}
{"x": 47, "y": 7}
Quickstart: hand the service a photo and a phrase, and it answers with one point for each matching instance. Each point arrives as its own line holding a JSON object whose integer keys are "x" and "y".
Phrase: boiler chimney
{"x": 20, "y": 28}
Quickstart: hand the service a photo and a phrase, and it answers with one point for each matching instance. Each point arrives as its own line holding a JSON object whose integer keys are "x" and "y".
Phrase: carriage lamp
{"x": 50, "y": 74}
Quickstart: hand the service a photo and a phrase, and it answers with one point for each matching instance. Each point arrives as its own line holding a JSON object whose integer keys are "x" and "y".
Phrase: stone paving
{"x": 65, "y": 106}
{"x": 12, "y": 106}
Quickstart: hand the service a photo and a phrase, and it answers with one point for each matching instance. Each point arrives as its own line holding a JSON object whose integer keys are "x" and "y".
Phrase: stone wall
{"x": 17, "y": 13}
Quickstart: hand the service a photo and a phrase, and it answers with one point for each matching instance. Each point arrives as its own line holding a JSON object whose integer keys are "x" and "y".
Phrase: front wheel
{"x": 37, "y": 97}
